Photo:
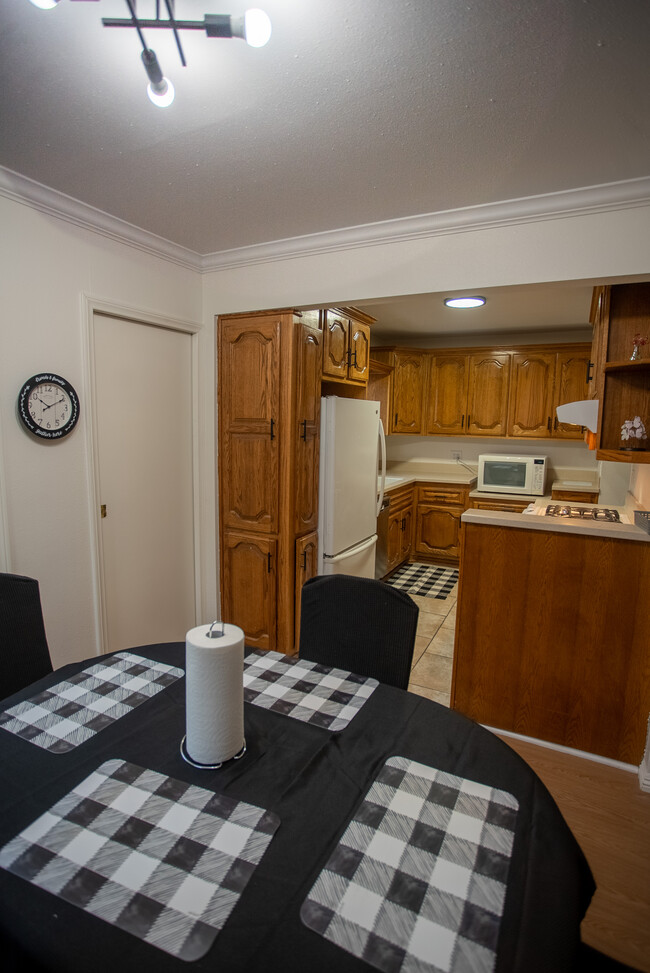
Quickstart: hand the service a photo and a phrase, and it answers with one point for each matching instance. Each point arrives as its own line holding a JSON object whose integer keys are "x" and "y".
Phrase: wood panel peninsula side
{"x": 553, "y": 630}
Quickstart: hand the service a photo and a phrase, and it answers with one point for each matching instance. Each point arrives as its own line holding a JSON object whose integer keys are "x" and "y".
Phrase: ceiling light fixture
{"x": 464, "y": 301}
{"x": 254, "y": 27}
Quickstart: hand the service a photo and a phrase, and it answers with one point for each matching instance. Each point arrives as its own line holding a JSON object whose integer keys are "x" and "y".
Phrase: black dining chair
{"x": 358, "y": 624}
{"x": 24, "y": 652}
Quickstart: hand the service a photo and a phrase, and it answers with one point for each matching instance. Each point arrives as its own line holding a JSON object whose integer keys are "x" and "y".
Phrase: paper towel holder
{"x": 194, "y": 763}
{"x": 216, "y": 635}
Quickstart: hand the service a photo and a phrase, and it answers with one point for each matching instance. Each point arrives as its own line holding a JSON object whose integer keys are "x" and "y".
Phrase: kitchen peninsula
{"x": 552, "y": 630}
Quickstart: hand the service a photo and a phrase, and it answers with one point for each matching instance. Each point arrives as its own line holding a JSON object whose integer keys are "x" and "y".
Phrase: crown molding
{"x": 627, "y": 194}
{"x": 588, "y": 200}
{"x": 21, "y": 189}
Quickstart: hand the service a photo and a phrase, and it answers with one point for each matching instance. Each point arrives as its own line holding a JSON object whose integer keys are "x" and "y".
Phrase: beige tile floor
{"x": 434, "y": 647}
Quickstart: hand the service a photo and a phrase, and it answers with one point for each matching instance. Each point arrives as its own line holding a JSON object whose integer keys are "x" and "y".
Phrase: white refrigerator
{"x": 351, "y": 485}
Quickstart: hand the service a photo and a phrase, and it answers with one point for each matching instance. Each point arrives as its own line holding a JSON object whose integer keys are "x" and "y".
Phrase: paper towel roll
{"x": 214, "y": 693}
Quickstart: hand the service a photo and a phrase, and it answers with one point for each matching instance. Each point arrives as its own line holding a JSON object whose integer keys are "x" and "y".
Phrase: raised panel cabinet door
{"x": 437, "y": 531}
{"x": 249, "y": 381}
{"x": 531, "y": 395}
{"x": 307, "y": 430}
{"x": 249, "y": 597}
{"x": 360, "y": 353}
{"x": 394, "y": 540}
{"x": 408, "y": 389}
{"x": 336, "y": 346}
{"x": 407, "y": 535}
{"x": 446, "y": 397}
{"x": 306, "y": 568}
{"x": 570, "y": 386}
{"x": 487, "y": 398}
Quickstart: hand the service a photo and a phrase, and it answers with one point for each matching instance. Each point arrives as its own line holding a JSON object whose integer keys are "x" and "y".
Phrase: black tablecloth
{"x": 313, "y": 780}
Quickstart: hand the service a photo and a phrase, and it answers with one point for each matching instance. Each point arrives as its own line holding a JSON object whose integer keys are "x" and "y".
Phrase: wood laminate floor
{"x": 604, "y": 806}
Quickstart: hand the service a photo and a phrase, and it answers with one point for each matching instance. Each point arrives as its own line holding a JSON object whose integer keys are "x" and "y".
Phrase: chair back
{"x": 24, "y": 653}
{"x": 358, "y": 624}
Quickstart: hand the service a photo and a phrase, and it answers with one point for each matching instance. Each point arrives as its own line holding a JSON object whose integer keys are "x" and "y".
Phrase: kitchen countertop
{"x": 594, "y": 528}
{"x": 403, "y": 474}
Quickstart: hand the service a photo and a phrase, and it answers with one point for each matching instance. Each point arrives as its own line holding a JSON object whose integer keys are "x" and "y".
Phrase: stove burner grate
{"x": 583, "y": 513}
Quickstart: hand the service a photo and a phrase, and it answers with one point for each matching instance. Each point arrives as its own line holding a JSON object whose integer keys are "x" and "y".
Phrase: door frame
{"x": 92, "y": 306}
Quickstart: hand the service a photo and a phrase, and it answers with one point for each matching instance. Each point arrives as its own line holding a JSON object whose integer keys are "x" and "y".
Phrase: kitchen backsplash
{"x": 436, "y": 448}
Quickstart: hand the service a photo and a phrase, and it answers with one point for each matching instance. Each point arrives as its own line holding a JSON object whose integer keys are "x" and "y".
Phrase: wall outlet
{"x": 456, "y": 455}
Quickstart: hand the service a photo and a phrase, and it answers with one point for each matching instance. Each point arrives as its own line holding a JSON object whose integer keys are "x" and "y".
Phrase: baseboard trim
{"x": 596, "y": 758}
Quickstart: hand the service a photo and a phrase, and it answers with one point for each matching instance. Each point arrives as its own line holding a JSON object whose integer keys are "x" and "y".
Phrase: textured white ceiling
{"x": 357, "y": 111}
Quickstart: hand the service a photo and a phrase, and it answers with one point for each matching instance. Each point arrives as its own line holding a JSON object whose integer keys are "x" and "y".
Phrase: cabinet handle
{"x": 303, "y": 559}
{"x": 468, "y": 420}
{"x": 555, "y": 424}
{"x": 352, "y": 355}
{"x": 272, "y": 425}
{"x": 403, "y": 523}
{"x": 590, "y": 377}
{"x": 548, "y": 423}
{"x": 462, "y": 421}
{"x": 268, "y": 562}
{"x": 395, "y": 418}
{"x": 303, "y": 434}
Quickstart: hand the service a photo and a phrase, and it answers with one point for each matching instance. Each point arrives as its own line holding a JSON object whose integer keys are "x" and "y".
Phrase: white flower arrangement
{"x": 633, "y": 429}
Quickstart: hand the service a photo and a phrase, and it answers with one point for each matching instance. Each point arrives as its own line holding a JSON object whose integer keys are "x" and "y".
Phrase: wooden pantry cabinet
{"x": 269, "y": 370}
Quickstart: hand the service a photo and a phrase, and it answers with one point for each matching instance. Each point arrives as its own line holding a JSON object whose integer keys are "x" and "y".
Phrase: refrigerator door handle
{"x": 336, "y": 558}
{"x": 382, "y": 450}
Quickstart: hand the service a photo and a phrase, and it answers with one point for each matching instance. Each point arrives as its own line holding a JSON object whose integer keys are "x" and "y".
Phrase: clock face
{"x": 48, "y": 406}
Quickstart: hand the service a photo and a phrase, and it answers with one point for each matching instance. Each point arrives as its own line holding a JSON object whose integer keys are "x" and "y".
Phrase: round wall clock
{"x": 48, "y": 406}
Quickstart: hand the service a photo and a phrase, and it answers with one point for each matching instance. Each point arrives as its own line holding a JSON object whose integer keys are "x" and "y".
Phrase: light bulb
{"x": 465, "y": 301}
{"x": 257, "y": 27}
{"x": 162, "y": 93}
{"x": 45, "y": 4}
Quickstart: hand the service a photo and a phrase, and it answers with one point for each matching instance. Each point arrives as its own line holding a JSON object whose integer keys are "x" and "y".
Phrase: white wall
{"x": 47, "y": 265}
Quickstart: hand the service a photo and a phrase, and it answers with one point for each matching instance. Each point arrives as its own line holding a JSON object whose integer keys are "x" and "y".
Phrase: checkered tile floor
{"x": 304, "y": 690}
{"x": 65, "y": 715}
{"x": 161, "y": 859}
{"x": 424, "y": 579}
{"x": 418, "y": 880}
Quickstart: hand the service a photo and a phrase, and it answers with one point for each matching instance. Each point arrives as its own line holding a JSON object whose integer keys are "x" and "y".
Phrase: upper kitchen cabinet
{"x": 621, "y": 312}
{"x": 269, "y": 429}
{"x": 407, "y": 385}
{"x": 540, "y": 381}
{"x": 487, "y": 399}
{"x": 446, "y": 394}
{"x": 346, "y": 346}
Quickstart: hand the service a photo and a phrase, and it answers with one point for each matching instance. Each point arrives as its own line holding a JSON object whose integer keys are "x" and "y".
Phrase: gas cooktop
{"x": 583, "y": 513}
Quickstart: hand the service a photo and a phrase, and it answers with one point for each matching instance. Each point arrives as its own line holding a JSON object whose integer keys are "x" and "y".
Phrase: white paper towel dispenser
{"x": 582, "y": 413}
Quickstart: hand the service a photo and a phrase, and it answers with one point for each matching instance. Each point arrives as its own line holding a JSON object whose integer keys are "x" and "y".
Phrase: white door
{"x": 143, "y": 402}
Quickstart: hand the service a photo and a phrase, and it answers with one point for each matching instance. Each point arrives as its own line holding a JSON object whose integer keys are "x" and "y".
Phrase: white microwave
{"x": 512, "y": 474}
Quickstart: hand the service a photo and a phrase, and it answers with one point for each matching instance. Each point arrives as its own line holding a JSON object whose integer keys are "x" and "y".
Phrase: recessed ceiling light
{"x": 464, "y": 301}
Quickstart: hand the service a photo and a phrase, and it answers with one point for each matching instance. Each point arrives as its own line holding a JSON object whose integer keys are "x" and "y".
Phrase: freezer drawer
{"x": 358, "y": 561}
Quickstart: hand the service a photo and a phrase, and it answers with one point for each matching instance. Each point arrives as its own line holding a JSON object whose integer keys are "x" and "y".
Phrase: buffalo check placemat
{"x": 418, "y": 879}
{"x": 305, "y": 690}
{"x": 72, "y": 711}
{"x": 159, "y": 858}
{"x": 426, "y": 580}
